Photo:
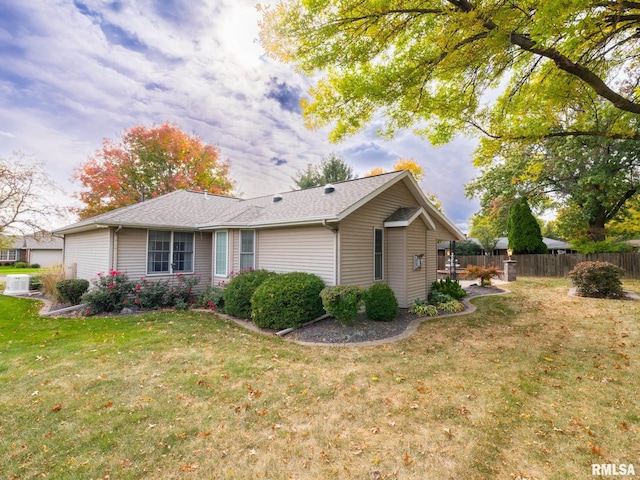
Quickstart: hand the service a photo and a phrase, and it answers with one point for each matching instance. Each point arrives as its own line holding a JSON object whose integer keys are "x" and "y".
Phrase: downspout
{"x": 334, "y": 229}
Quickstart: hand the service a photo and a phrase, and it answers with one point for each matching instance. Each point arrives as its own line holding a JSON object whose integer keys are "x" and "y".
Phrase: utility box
{"x": 17, "y": 285}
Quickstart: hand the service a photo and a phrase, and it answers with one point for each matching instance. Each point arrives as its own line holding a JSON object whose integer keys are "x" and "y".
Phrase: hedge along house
{"x": 373, "y": 229}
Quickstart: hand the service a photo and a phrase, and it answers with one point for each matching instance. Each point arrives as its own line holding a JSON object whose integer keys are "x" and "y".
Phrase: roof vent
{"x": 277, "y": 198}
{"x": 329, "y": 188}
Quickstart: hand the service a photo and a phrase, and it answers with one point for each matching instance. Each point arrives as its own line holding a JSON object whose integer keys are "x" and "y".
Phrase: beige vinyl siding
{"x": 132, "y": 256}
{"x": 431, "y": 258}
{"x": 396, "y": 261}
{"x": 356, "y": 235}
{"x": 416, "y": 245}
{"x": 298, "y": 249}
{"x": 89, "y": 251}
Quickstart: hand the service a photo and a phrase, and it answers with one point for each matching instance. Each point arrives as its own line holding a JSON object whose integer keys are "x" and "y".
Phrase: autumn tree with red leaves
{"x": 146, "y": 163}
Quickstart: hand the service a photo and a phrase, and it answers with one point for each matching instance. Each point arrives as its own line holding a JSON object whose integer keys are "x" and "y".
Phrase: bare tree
{"x": 25, "y": 196}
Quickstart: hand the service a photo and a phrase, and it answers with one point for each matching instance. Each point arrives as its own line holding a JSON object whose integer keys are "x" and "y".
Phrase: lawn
{"x": 14, "y": 270}
{"x": 534, "y": 384}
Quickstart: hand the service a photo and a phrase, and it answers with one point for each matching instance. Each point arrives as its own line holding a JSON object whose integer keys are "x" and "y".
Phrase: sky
{"x": 74, "y": 72}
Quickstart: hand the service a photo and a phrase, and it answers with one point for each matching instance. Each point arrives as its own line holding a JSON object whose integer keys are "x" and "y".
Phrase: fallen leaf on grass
{"x": 57, "y": 408}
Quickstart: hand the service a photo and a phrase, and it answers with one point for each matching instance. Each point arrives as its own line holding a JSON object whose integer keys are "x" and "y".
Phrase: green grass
{"x": 13, "y": 270}
{"x": 534, "y": 384}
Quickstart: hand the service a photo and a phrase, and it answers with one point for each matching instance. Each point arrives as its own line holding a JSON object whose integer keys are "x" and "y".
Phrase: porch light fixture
{"x": 509, "y": 252}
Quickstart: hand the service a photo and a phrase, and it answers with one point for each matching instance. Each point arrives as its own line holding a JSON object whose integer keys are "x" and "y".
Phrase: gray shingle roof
{"x": 189, "y": 210}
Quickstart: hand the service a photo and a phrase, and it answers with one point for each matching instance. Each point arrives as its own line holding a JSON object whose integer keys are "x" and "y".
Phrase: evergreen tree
{"x": 524, "y": 230}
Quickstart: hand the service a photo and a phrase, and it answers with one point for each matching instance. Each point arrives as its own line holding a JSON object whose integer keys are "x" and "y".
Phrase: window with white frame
{"x": 8, "y": 255}
{"x": 247, "y": 249}
{"x": 170, "y": 252}
{"x": 222, "y": 253}
{"x": 378, "y": 250}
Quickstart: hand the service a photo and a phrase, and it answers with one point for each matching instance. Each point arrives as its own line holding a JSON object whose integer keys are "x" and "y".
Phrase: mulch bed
{"x": 332, "y": 331}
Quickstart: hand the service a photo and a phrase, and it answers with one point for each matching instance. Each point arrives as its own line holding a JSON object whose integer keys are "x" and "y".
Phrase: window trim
{"x": 226, "y": 254}
{"x": 171, "y": 270}
{"x": 253, "y": 253}
{"x": 7, "y": 254}
{"x": 381, "y": 254}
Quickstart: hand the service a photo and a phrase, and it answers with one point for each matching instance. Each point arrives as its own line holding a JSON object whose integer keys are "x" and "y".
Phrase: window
{"x": 247, "y": 249}
{"x": 377, "y": 253}
{"x": 170, "y": 252}
{"x": 221, "y": 254}
{"x": 8, "y": 255}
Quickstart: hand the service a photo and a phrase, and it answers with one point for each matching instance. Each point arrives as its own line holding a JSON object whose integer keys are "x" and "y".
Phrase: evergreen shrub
{"x": 287, "y": 301}
{"x": 342, "y": 302}
{"x": 71, "y": 291}
{"x": 449, "y": 287}
{"x": 380, "y": 303}
{"x": 237, "y": 295}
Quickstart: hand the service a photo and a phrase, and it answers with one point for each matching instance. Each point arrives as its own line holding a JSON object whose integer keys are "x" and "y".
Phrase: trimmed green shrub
{"x": 35, "y": 283}
{"x": 597, "y": 279}
{"x": 20, "y": 265}
{"x": 237, "y": 295}
{"x": 342, "y": 302}
{"x": 287, "y": 300}
{"x": 108, "y": 293}
{"x": 71, "y": 291}
{"x": 448, "y": 287}
{"x": 35, "y": 265}
{"x": 380, "y": 303}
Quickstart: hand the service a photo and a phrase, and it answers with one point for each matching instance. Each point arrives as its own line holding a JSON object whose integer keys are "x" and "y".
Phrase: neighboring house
{"x": 373, "y": 229}
{"x": 42, "y": 249}
{"x": 555, "y": 247}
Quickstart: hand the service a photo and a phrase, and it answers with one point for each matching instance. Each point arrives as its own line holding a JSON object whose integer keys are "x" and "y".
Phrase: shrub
{"x": 108, "y": 293}
{"x": 380, "y": 303}
{"x": 342, "y": 302}
{"x": 20, "y": 265}
{"x": 484, "y": 274}
{"x": 184, "y": 292}
{"x": 449, "y": 287}
{"x": 35, "y": 265}
{"x": 451, "y": 306}
{"x": 49, "y": 277}
{"x": 35, "y": 283}
{"x": 211, "y": 297}
{"x": 609, "y": 245}
{"x": 71, "y": 291}
{"x": 436, "y": 297}
{"x": 597, "y": 279}
{"x": 423, "y": 309}
{"x": 151, "y": 295}
{"x": 287, "y": 300}
{"x": 237, "y": 295}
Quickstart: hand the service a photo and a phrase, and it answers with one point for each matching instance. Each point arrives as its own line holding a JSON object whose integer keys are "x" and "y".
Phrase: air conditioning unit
{"x": 17, "y": 285}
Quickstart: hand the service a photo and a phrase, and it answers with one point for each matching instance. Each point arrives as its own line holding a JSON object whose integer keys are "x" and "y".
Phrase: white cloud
{"x": 77, "y": 72}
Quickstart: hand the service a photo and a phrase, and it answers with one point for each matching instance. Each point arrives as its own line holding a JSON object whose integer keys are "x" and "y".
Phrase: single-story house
{"x": 43, "y": 249}
{"x": 555, "y": 247}
{"x": 373, "y": 229}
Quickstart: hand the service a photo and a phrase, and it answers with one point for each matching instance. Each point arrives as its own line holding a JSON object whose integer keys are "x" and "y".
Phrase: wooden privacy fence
{"x": 551, "y": 265}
